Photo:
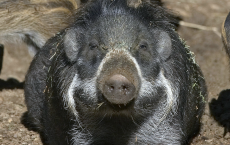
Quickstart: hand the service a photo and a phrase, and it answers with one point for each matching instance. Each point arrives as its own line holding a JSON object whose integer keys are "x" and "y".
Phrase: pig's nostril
{"x": 111, "y": 88}
{"x": 124, "y": 87}
{"x": 118, "y": 89}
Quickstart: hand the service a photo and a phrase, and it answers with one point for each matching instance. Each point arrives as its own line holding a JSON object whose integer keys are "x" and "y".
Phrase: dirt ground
{"x": 207, "y": 46}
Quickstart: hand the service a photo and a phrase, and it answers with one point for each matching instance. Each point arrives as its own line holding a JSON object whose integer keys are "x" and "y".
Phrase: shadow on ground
{"x": 11, "y": 83}
{"x": 220, "y": 109}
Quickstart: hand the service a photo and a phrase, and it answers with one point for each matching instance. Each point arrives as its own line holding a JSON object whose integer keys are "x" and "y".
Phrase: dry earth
{"x": 206, "y": 45}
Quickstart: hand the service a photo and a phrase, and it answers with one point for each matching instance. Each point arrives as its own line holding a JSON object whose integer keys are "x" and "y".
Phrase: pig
{"x": 34, "y": 22}
{"x": 226, "y": 34}
{"x": 118, "y": 75}
{"x": 220, "y": 108}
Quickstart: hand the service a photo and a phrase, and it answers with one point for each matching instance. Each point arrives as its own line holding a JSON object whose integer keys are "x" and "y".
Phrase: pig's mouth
{"x": 107, "y": 107}
{"x": 120, "y": 107}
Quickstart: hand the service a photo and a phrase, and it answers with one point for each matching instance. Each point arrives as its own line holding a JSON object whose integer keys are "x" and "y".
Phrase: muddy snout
{"x": 118, "y": 89}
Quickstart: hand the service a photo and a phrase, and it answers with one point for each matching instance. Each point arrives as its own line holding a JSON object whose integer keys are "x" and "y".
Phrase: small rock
{"x": 15, "y": 135}
{"x": 10, "y": 120}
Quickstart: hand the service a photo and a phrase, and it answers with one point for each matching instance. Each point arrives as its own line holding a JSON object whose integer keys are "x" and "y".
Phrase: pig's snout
{"x": 118, "y": 89}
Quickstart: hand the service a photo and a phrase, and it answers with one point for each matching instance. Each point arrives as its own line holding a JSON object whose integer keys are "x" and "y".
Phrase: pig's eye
{"x": 144, "y": 52}
{"x": 143, "y": 45}
{"x": 93, "y": 45}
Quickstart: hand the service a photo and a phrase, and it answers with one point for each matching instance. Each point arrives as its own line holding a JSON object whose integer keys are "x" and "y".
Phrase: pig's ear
{"x": 72, "y": 43}
{"x": 164, "y": 44}
{"x": 226, "y": 34}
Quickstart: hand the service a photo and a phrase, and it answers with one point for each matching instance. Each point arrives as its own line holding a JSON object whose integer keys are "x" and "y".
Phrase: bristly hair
{"x": 150, "y": 12}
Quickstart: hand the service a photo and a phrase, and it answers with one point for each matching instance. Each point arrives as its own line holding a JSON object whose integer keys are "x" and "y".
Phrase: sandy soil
{"x": 206, "y": 45}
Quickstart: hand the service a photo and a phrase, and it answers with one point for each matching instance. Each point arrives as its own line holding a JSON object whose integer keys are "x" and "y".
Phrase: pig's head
{"x": 115, "y": 59}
